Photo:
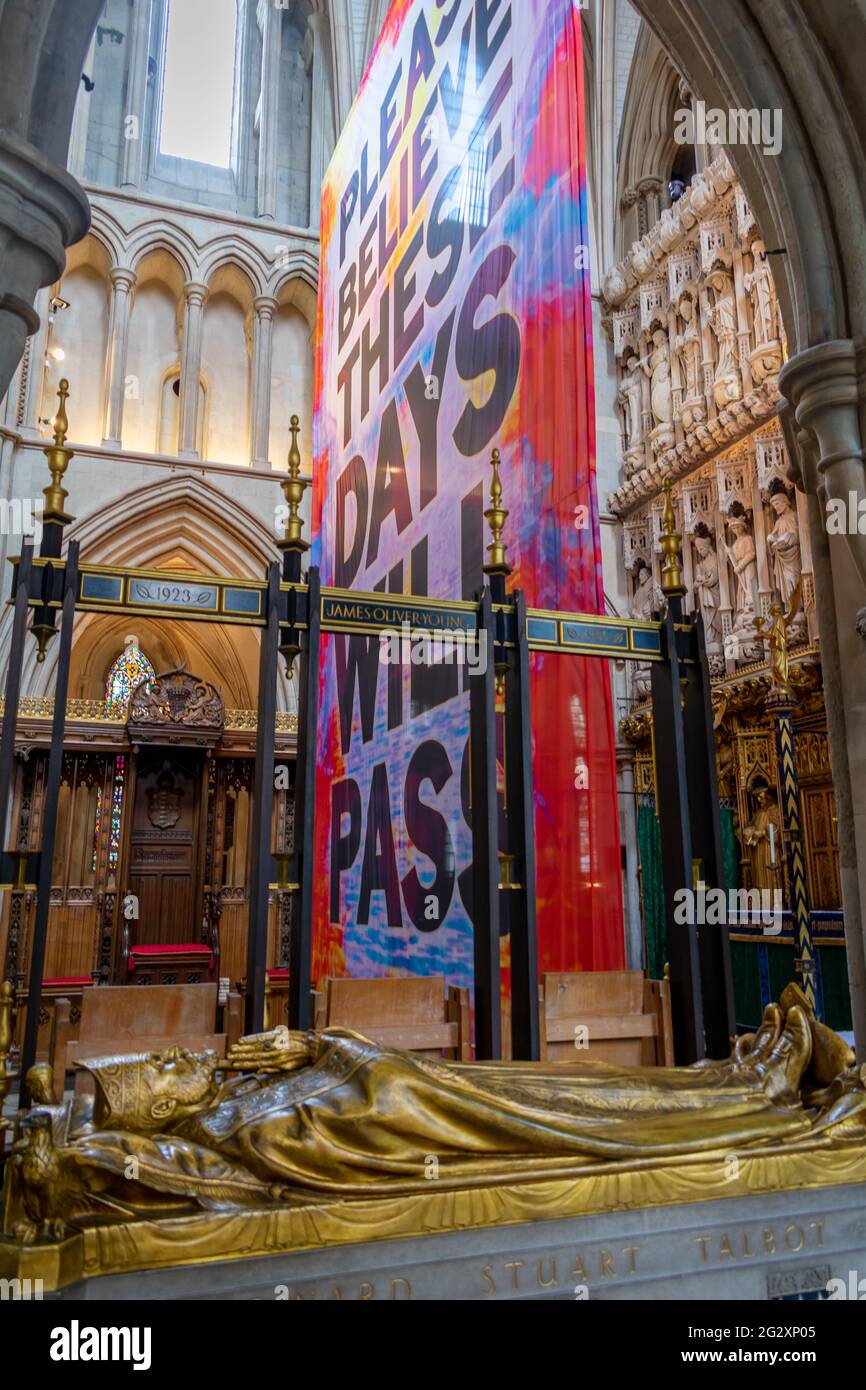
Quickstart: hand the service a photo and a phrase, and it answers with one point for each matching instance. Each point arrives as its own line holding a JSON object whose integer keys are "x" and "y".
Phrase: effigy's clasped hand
{"x": 279, "y": 1050}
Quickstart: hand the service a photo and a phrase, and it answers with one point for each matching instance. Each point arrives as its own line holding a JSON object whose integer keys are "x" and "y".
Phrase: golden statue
{"x": 314, "y": 1117}
{"x": 774, "y": 631}
{"x": 763, "y": 839}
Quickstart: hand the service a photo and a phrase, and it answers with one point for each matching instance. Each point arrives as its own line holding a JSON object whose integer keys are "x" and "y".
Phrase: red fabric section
{"x": 77, "y": 980}
{"x": 579, "y": 884}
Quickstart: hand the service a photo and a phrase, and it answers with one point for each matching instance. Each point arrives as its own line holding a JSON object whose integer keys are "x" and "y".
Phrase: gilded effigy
{"x": 306, "y": 1139}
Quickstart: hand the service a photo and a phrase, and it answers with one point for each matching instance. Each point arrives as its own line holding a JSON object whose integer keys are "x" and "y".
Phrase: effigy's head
{"x": 149, "y": 1092}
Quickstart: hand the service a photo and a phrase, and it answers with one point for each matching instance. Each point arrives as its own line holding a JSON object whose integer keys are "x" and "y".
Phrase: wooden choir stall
{"x": 151, "y": 872}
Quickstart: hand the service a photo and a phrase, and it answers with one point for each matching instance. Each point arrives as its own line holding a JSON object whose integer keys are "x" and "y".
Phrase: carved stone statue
{"x": 707, "y": 587}
{"x": 643, "y": 605}
{"x": 784, "y": 546}
{"x": 630, "y": 394}
{"x": 688, "y": 346}
{"x": 643, "y": 600}
{"x": 743, "y": 557}
{"x": 658, "y": 368}
{"x": 723, "y": 322}
{"x": 765, "y": 357}
{"x": 763, "y": 839}
{"x": 759, "y": 287}
{"x": 318, "y": 1116}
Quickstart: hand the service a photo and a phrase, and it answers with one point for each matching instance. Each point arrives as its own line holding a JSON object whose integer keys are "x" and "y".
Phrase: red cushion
{"x": 192, "y": 948}
{"x": 77, "y": 980}
{"x": 280, "y": 974}
{"x": 170, "y": 950}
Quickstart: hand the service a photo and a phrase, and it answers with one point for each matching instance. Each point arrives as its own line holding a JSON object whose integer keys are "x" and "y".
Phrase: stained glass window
{"x": 116, "y": 809}
{"x": 129, "y": 670}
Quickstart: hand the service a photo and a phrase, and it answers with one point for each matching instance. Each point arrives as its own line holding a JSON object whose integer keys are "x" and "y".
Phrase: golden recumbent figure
{"x": 332, "y": 1117}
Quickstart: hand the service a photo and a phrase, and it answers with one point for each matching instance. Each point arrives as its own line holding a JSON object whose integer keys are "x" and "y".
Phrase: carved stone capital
{"x": 42, "y": 211}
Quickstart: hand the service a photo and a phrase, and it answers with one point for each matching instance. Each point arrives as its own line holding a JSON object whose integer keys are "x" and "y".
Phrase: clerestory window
{"x": 198, "y": 81}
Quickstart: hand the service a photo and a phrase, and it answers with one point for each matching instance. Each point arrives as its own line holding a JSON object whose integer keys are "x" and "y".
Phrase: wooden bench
{"x": 417, "y": 1014}
{"x": 70, "y": 988}
{"x": 117, "y": 1019}
{"x": 627, "y": 1018}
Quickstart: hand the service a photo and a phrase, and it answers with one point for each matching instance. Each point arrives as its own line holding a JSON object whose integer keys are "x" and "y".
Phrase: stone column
{"x": 122, "y": 286}
{"x": 136, "y": 98}
{"x": 821, "y": 384}
{"x": 317, "y": 66}
{"x": 264, "y": 308}
{"x": 194, "y": 296}
{"x": 270, "y": 25}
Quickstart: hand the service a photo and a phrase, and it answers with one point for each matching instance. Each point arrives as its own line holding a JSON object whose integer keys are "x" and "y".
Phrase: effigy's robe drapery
{"x": 363, "y": 1116}
{"x": 360, "y": 1119}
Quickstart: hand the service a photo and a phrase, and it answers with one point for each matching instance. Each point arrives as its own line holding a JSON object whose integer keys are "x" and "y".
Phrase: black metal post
{"x": 672, "y": 810}
{"x": 714, "y": 949}
{"x": 263, "y": 801}
{"x": 485, "y": 845}
{"x": 13, "y": 685}
{"x": 49, "y": 819}
{"x": 301, "y": 941}
{"x": 525, "y": 1042}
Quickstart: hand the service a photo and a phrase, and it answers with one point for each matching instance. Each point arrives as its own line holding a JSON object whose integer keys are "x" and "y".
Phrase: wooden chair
{"x": 627, "y": 1018}
{"x": 123, "y": 1018}
{"x": 417, "y": 1014}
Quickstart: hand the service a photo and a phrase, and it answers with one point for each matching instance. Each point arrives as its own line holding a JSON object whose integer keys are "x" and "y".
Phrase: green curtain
{"x": 652, "y": 888}
{"x": 730, "y": 850}
{"x": 649, "y": 841}
{"x": 837, "y": 993}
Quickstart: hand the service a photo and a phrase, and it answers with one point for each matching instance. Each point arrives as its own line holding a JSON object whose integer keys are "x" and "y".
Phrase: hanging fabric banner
{"x": 455, "y": 318}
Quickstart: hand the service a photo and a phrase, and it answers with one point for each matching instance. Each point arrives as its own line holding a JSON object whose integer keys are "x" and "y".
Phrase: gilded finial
{"x": 61, "y": 422}
{"x": 672, "y": 575}
{"x": 294, "y": 487}
{"x": 496, "y": 517}
{"x": 58, "y": 456}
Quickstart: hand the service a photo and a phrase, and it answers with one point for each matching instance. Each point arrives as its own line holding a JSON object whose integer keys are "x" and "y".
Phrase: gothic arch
{"x": 296, "y": 292}
{"x": 215, "y": 534}
{"x": 300, "y": 265}
{"x": 112, "y": 233}
{"x": 164, "y": 237}
{"x": 237, "y": 254}
{"x": 186, "y": 524}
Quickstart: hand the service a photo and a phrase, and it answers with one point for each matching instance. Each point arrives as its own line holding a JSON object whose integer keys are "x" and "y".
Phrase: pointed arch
{"x": 188, "y": 525}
